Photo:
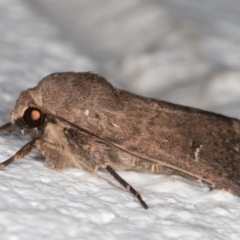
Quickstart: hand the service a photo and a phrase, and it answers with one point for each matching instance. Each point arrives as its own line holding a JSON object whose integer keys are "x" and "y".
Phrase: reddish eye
{"x": 32, "y": 117}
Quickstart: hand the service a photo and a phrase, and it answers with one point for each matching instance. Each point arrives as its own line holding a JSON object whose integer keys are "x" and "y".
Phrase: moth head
{"x": 25, "y": 118}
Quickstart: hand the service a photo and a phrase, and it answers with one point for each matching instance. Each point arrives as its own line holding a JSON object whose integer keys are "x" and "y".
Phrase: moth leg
{"x": 127, "y": 186}
{"x": 41, "y": 145}
{"x": 8, "y": 127}
{"x": 26, "y": 149}
{"x": 96, "y": 169}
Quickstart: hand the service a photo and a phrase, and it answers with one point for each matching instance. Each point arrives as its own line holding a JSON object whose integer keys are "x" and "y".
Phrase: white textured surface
{"x": 37, "y": 203}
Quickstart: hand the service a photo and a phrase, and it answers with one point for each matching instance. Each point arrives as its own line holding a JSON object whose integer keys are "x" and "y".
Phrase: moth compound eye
{"x": 32, "y": 117}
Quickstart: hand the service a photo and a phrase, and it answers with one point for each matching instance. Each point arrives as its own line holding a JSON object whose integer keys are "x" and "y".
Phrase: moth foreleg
{"x": 51, "y": 152}
{"x": 20, "y": 154}
{"x": 127, "y": 186}
{"x": 8, "y": 127}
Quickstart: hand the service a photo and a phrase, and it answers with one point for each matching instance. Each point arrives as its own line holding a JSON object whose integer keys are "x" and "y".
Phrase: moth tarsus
{"x": 127, "y": 186}
{"x": 81, "y": 120}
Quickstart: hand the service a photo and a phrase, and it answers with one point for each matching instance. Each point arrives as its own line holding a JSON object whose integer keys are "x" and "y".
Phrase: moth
{"x": 80, "y": 120}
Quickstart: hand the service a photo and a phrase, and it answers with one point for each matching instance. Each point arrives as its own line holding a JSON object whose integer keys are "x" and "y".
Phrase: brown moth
{"x": 81, "y": 120}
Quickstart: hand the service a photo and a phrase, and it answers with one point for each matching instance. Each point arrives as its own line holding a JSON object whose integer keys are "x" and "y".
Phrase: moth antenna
{"x": 127, "y": 186}
{"x": 26, "y": 149}
{"x": 8, "y": 127}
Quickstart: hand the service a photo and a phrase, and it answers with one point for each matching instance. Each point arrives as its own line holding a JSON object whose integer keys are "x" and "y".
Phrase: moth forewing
{"x": 92, "y": 124}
